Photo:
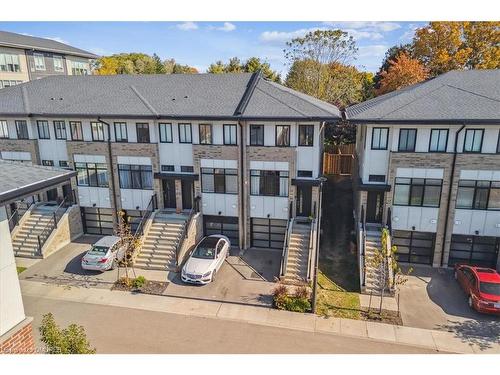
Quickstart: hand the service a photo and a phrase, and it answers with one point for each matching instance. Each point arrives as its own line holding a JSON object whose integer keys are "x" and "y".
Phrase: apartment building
{"x": 429, "y": 168}
{"x": 25, "y": 58}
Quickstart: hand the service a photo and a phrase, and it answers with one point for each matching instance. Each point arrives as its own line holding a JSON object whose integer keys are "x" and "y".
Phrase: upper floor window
{"x": 97, "y": 131}
{"x": 22, "y": 129}
{"x": 9, "y": 63}
{"x": 304, "y": 173}
{"x": 92, "y": 174}
{"x": 121, "y": 134}
{"x": 167, "y": 168}
{"x": 205, "y": 134}
{"x": 60, "y": 129}
{"x": 423, "y": 192}
{"x": 8, "y": 83}
{"x": 407, "y": 140}
{"x": 439, "y": 140}
{"x": 166, "y": 133}
{"x": 79, "y": 68}
{"x": 135, "y": 176}
{"x": 185, "y": 133}
{"x": 380, "y": 138}
{"x": 39, "y": 59}
{"x": 75, "y": 128}
{"x": 256, "y": 135}
{"x": 218, "y": 180}
{"x": 498, "y": 143}
{"x": 187, "y": 168}
{"x": 43, "y": 129}
{"x": 269, "y": 183}
{"x": 282, "y": 135}
{"x": 48, "y": 163}
{"x": 230, "y": 134}
{"x": 142, "y": 132}
{"x": 4, "y": 129}
{"x": 58, "y": 63}
{"x": 473, "y": 140}
{"x": 306, "y": 135}
{"x": 478, "y": 195}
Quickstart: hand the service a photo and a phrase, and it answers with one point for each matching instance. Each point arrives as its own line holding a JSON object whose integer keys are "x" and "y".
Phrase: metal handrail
{"x": 49, "y": 227}
{"x": 192, "y": 211}
{"x": 311, "y": 246}
{"x": 284, "y": 253}
{"x": 15, "y": 215}
{"x": 149, "y": 210}
{"x": 363, "y": 245}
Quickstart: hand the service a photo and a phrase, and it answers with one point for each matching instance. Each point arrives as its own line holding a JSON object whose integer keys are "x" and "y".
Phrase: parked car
{"x": 103, "y": 255}
{"x": 482, "y": 287}
{"x": 206, "y": 259}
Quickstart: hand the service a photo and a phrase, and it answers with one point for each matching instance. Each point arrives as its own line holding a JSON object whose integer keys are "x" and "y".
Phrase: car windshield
{"x": 98, "y": 250}
{"x": 490, "y": 288}
{"x": 206, "y": 248}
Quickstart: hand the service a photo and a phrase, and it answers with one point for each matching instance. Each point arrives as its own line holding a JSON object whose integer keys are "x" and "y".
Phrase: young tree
{"x": 71, "y": 340}
{"x": 217, "y": 68}
{"x": 129, "y": 245}
{"x": 403, "y": 71}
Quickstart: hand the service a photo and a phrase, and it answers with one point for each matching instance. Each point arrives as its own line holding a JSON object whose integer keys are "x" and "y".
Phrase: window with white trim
{"x": 58, "y": 63}
{"x": 79, "y": 68}
{"x": 39, "y": 60}
{"x": 9, "y": 62}
{"x": 4, "y": 129}
{"x": 269, "y": 183}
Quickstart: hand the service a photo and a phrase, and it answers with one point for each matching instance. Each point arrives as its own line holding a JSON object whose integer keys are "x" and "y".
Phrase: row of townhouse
{"x": 429, "y": 168}
{"x": 25, "y": 58}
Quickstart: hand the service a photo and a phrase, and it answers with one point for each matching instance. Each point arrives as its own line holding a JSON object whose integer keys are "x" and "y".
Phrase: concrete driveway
{"x": 242, "y": 279}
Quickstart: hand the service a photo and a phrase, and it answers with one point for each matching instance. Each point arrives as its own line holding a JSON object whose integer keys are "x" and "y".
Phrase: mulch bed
{"x": 389, "y": 317}
{"x": 150, "y": 287}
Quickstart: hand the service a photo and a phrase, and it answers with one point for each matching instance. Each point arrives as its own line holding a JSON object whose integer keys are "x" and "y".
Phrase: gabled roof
{"x": 8, "y": 39}
{"x": 190, "y": 96}
{"x": 470, "y": 96}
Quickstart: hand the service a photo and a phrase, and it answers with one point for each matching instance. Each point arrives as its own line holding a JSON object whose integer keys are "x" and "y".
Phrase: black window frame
{"x": 77, "y": 124}
{"x": 99, "y": 127}
{"x": 164, "y": 139}
{"x": 167, "y": 168}
{"x": 309, "y": 129}
{"x": 269, "y": 188}
{"x": 498, "y": 143}
{"x": 92, "y": 169}
{"x": 203, "y": 137}
{"x": 276, "y": 135}
{"x": 372, "y": 146}
{"x": 260, "y": 129}
{"x": 63, "y": 164}
{"x": 376, "y": 178}
{"x": 492, "y": 185}
{"x": 468, "y": 131}
{"x": 25, "y": 125}
{"x": 304, "y": 173}
{"x": 407, "y": 131}
{"x": 413, "y": 186}
{"x": 121, "y": 125}
{"x": 439, "y": 137}
{"x": 139, "y": 131}
{"x": 230, "y": 142}
{"x": 45, "y": 126}
{"x": 5, "y": 130}
{"x": 185, "y": 125}
{"x": 219, "y": 174}
{"x": 187, "y": 169}
{"x": 132, "y": 169}
{"x": 48, "y": 163}
{"x": 56, "y": 124}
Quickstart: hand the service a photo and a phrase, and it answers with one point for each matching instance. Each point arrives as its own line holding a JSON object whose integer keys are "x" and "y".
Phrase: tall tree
{"x": 391, "y": 54}
{"x": 403, "y": 71}
{"x": 139, "y": 63}
{"x": 483, "y": 39}
{"x": 251, "y": 65}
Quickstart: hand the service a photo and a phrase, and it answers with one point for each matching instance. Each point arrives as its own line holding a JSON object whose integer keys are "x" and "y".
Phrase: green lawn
{"x": 20, "y": 269}
{"x": 335, "y": 301}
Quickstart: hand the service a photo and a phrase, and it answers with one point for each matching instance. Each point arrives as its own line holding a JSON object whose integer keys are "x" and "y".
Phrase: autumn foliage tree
{"x": 402, "y": 71}
{"x": 253, "y": 64}
{"x": 139, "y": 63}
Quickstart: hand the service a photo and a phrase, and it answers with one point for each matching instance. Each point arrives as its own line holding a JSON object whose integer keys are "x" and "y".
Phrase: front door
{"x": 374, "y": 206}
{"x": 304, "y": 195}
{"x": 187, "y": 194}
{"x": 169, "y": 193}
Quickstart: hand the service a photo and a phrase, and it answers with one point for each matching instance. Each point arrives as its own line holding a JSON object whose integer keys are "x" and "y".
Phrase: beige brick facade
{"x": 22, "y": 145}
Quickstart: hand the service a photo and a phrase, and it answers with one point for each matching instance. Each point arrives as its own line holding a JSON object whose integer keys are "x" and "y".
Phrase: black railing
{"x": 52, "y": 224}
{"x": 363, "y": 244}
{"x": 16, "y": 216}
{"x": 152, "y": 206}
{"x": 192, "y": 212}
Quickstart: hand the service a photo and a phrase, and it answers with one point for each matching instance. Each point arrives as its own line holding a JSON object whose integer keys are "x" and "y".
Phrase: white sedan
{"x": 103, "y": 255}
{"x": 206, "y": 260}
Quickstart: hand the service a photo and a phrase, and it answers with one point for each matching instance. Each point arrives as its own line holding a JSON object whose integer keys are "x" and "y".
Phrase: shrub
{"x": 139, "y": 282}
{"x": 71, "y": 340}
{"x": 298, "y": 304}
{"x": 302, "y": 292}
{"x": 125, "y": 281}
{"x": 280, "y": 296}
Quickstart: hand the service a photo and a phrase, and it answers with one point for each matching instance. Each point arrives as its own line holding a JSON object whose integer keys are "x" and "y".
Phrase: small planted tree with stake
{"x": 128, "y": 245}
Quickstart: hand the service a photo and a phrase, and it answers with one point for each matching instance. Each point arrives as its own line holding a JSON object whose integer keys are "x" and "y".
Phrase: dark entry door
{"x": 187, "y": 194}
{"x": 52, "y": 195}
{"x": 374, "y": 206}
{"x": 304, "y": 195}
{"x": 169, "y": 193}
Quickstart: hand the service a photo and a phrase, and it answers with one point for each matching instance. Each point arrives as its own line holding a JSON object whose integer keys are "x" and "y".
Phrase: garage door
{"x": 474, "y": 250}
{"x": 97, "y": 220}
{"x": 268, "y": 233}
{"x": 414, "y": 247}
{"x": 226, "y": 225}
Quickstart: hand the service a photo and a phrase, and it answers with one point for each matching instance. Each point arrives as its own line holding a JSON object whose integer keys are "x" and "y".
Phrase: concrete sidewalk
{"x": 435, "y": 340}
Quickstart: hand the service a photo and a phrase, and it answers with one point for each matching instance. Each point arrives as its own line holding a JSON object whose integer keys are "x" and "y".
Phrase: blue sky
{"x": 200, "y": 43}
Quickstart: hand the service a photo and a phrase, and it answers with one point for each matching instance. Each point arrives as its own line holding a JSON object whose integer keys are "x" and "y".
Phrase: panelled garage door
{"x": 474, "y": 250}
{"x": 97, "y": 220}
{"x": 268, "y": 233}
{"x": 414, "y": 247}
{"x": 226, "y": 225}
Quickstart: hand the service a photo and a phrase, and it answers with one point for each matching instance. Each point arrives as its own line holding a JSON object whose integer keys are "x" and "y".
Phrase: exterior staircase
{"x": 298, "y": 253}
{"x": 372, "y": 242}
{"x": 159, "y": 246}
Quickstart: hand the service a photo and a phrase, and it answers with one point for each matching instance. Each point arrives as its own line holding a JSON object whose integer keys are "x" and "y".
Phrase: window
{"x": 165, "y": 133}
{"x": 185, "y": 134}
{"x": 167, "y": 168}
{"x": 376, "y": 178}
{"x": 63, "y": 163}
{"x": 60, "y": 129}
{"x": 407, "y": 140}
{"x": 439, "y": 140}
{"x": 379, "y": 138}
{"x": 121, "y": 134}
{"x": 9, "y": 83}
{"x": 473, "y": 140}
{"x": 135, "y": 176}
{"x": 79, "y": 68}
{"x": 9, "y": 63}
{"x": 76, "y": 130}
{"x": 306, "y": 135}
{"x": 48, "y": 163}
{"x": 4, "y": 129}
{"x": 187, "y": 168}
{"x": 22, "y": 129}
{"x": 269, "y": 183}
{"x": 256, "y": 135}
{"x": 498, "y": 143}
{"x": 142, "y": 132}
{"x": 43, "y": 129}
{"x": 39, "y": 61}
{"x": 478, "y": 195}
{"x": 282, "y": 135}
{"x": 304, "y": 173}
{"x": 58, "y": 63}
{"x": 218, "y": 180}
{"x": 205, "y": 134}
{"x": 422, "y": 192}
{"x": 92, "y": 174}
{"x": 97, "y": 131}
{"x": 230, "y": 134}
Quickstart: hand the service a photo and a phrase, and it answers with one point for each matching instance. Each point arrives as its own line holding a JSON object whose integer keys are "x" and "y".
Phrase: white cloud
{"x": 186, "y": 26}
{"x": 373, "y": 50}
{"x": 283, "y": 36}
{"x": 361, "y": 34}
{"x": 371, "y": 25}
{"x": 227, "y": 26}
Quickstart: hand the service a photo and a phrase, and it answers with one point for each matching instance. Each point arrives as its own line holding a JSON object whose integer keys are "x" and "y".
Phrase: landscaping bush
{"x": 298, "y": 302}
{"x": 302, "y": 292}
{"x": 280, "y": 296}
{"x": 71, "y": 340}
{"x": 139, "y": 282}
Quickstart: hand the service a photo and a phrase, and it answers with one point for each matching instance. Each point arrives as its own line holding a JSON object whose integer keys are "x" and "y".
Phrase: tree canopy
{"x": 139, "y": 63}
{"x": 253, "y": 64}
{"x": 402, "y": 71}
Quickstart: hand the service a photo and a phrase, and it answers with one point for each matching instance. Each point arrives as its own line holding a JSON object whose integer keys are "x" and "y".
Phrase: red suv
{"x": 482, "y": 286}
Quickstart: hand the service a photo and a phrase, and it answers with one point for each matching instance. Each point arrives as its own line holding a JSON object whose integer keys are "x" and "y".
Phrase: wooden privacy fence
{"x": 340, "y": 161}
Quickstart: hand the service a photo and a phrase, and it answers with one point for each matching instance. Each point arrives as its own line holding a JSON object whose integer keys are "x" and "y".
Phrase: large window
{"x": 97, "y": 131}
{"x": 185, "y": 133}
{"x": 4, "y": 129}
{"x": 22, "y": 129}
{"x": 407, "y": 140}
{"x": 218, "y": 180}
{"x": 422, "y": 192}
{"x": 39, "y": 61}
{"x": 473, "y": 140}
{"x": 9, "y": 63}
{"x": 8, "y": 83}
{"x": 76, "y": 130}
{"x": 478, "y": 195}
{"x": 58, "y": 63}
{"x": 92, "y": 174}
{"x": 43, "y": 129}
{"x": 205, "y": 134}
{"x": 229, "y": 134}
{"x": 439, "y": 140}
{"x": 380, "y": 138}
{"x": 60, "y": 129}
{"x": 142, "y": 132}
{"x": 79, "y": 68}
{"x": 135, "y": 176}
{"x": 269, "y": 183}
{"x": 282, "y": 135}
{"x": 166, "y": 133}
{"x": 306, "y": 135}
{"x": 121, "y": 134}
{"x": 256, "y": 135}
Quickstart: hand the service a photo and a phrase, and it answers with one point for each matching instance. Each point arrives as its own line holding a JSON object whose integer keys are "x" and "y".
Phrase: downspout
{"x": 242, "y": 189}
{"x": 449, "y": 193}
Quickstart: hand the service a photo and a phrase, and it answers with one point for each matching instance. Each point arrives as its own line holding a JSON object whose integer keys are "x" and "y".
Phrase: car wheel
{"x": 470, "y": 303}
{"x": 213, "y": 276}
